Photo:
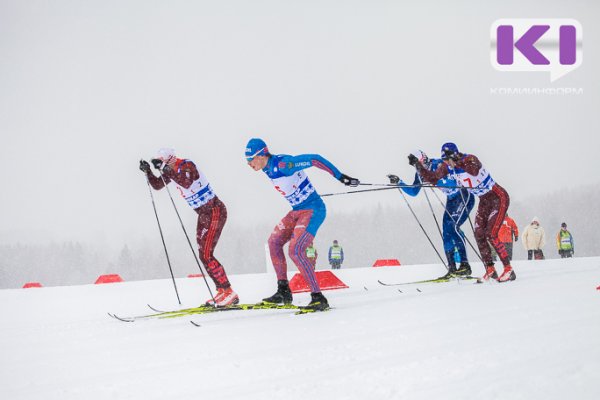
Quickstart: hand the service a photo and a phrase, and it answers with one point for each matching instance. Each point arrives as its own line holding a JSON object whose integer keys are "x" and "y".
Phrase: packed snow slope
{"x": 535, "y": 338}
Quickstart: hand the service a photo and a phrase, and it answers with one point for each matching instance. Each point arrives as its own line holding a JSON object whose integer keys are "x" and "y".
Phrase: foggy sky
{"x": 87, "y": 88}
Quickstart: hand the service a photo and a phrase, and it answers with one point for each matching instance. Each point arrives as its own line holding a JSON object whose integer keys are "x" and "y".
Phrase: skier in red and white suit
{"x": 212, "y": 214}
{"x": 493, "y": 203}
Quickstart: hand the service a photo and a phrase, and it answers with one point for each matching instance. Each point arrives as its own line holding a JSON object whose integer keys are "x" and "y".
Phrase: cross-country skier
{"x": 212, "y": 214}
{"x": 459, "y": 204}
{"x": 300, "y": 225}
{"x": 493, "y": 203}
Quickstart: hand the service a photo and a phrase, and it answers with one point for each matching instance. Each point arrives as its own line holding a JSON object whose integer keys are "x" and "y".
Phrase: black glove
{"x": 157, "y": 163}
{"x": 412, "y": 159}
{"x": 449, "y": 154}
{"x": 349, "y": 181}
{"x": 144, "y": 166}
{"x": 516, "y": 238}
{"x": 394, "y": 180}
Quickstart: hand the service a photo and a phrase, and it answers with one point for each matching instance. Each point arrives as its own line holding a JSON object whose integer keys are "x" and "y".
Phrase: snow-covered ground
{"x": 535, "y": 338}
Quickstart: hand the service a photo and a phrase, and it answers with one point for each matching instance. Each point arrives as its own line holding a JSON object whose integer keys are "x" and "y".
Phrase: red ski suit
{"x": 212, "y": 215}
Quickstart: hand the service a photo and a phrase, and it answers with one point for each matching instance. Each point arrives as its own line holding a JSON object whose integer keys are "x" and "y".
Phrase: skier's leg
{"x": 449, "y": 237}
{"x": 211, "y": 220}
{"x": 467, "y": 204}
{"x": 279, "y": 237}
{"x": 500, "y": 207}
{"x": 306, "y": 228}
{"x": 481, "y": 218}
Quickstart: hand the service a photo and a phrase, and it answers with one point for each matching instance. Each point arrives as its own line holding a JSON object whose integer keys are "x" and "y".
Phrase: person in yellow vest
{"x": 311, "y": 254}
{"x": 336, "y": 255}
{"x": 565, "y": 242}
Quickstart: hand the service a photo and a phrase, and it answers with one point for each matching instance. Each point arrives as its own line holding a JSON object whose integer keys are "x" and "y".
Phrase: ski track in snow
{"x": 535, "y": 338}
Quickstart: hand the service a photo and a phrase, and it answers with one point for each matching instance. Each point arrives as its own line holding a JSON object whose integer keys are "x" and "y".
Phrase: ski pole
{"x": 437, "y": 225}
{"x": 187, "y": 237}
{"x": 423, "y": 229}
{"x": 163, "y": 240}
{"x": 387, "y": 187}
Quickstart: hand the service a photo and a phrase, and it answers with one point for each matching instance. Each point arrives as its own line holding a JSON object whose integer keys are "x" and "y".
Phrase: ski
{"x": 436, "y": 280}
{"x": 211, "y": 309}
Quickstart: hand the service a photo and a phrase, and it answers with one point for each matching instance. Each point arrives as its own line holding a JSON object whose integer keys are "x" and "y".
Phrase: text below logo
{"x": 552, "y": 45}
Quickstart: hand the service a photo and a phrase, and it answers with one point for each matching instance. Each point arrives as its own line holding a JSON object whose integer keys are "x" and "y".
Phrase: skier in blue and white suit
{"x": 459, "y": 203}
{"x": 300, "y": 225}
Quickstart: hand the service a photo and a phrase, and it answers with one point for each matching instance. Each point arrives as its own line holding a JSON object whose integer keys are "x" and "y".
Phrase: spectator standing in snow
{"x": 534, "y": 239}
{"x": 312, "y": 255}
{"x": 565, "y": 242}
{"x": 336, "y": 255}
{"x": 508, "y": 233}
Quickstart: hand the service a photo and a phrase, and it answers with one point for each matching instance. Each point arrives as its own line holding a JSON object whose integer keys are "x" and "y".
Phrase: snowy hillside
{"x": 535, "y": 338}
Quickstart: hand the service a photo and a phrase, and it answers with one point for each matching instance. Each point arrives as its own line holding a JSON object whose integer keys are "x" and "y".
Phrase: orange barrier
{"x": 29, "y": 285}
{"x": 110, "y": 278}
{"x": 327, "y": 281}
{"x": 392, "y": 262}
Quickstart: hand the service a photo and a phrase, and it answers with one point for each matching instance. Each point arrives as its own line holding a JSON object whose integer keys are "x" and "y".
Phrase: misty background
{"x": 89, "y": 88}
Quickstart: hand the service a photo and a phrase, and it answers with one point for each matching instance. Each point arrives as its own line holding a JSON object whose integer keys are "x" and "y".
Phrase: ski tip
{"x": 195, "y": 324}
{"x": 115, "y": 316}
{"x": 366, "y": 288}
{"x": 418, "y": 290}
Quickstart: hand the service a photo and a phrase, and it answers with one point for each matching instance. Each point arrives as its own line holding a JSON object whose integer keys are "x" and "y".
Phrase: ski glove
{"x": 394, "y": 180}
{"x": 157, "y": 163}
{"x": 412, "y": 159}
{"x": 349, "y": 181}
{"x": 144, "y": 166}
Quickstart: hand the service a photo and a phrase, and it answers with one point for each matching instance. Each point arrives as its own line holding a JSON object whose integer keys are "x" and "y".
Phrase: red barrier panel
{"x": 31, "y": 285}
{"x": 195, "y": 276}
{"x": 327, "y": 281}
{"x": 110, "y": 278}
{"x": 392, "y": 262}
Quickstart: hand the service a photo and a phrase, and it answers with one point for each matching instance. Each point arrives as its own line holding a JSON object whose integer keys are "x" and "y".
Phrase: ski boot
{"x": 224, "y": 297}
{"x": 318, "y": 302}
{"x": 463, "y": 270}
{"x": 490, "y": 272}
{"x": 283, "y": 294}
{"x": 507, "y": 275}
{"x": 451, "y": 272}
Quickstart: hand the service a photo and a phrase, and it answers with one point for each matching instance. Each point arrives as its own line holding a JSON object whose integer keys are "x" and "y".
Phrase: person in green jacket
{"x": 336, "y": 255}
{"x": 565, "y": 242}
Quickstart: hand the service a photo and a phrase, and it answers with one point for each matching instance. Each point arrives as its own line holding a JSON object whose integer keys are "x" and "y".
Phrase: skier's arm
{"x": 342, "y": 255}
{"x": 432, "y": 176}
{"x": 414, "y": 189}
{"x": 329, "y": 255}
{"x": 470, "y": 164}
{"x": 290, "y": 165}
{"x": 156, "y": 182}
{"x": 186, "y": 174}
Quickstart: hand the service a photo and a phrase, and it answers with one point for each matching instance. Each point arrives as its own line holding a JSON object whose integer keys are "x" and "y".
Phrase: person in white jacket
{"x": 534, "y": 239}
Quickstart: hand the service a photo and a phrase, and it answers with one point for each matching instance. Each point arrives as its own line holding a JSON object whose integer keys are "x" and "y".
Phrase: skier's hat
{"x": 166, "y": 155}
{"x": 256, "y": 147}
{"x": 449, "y": 149}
